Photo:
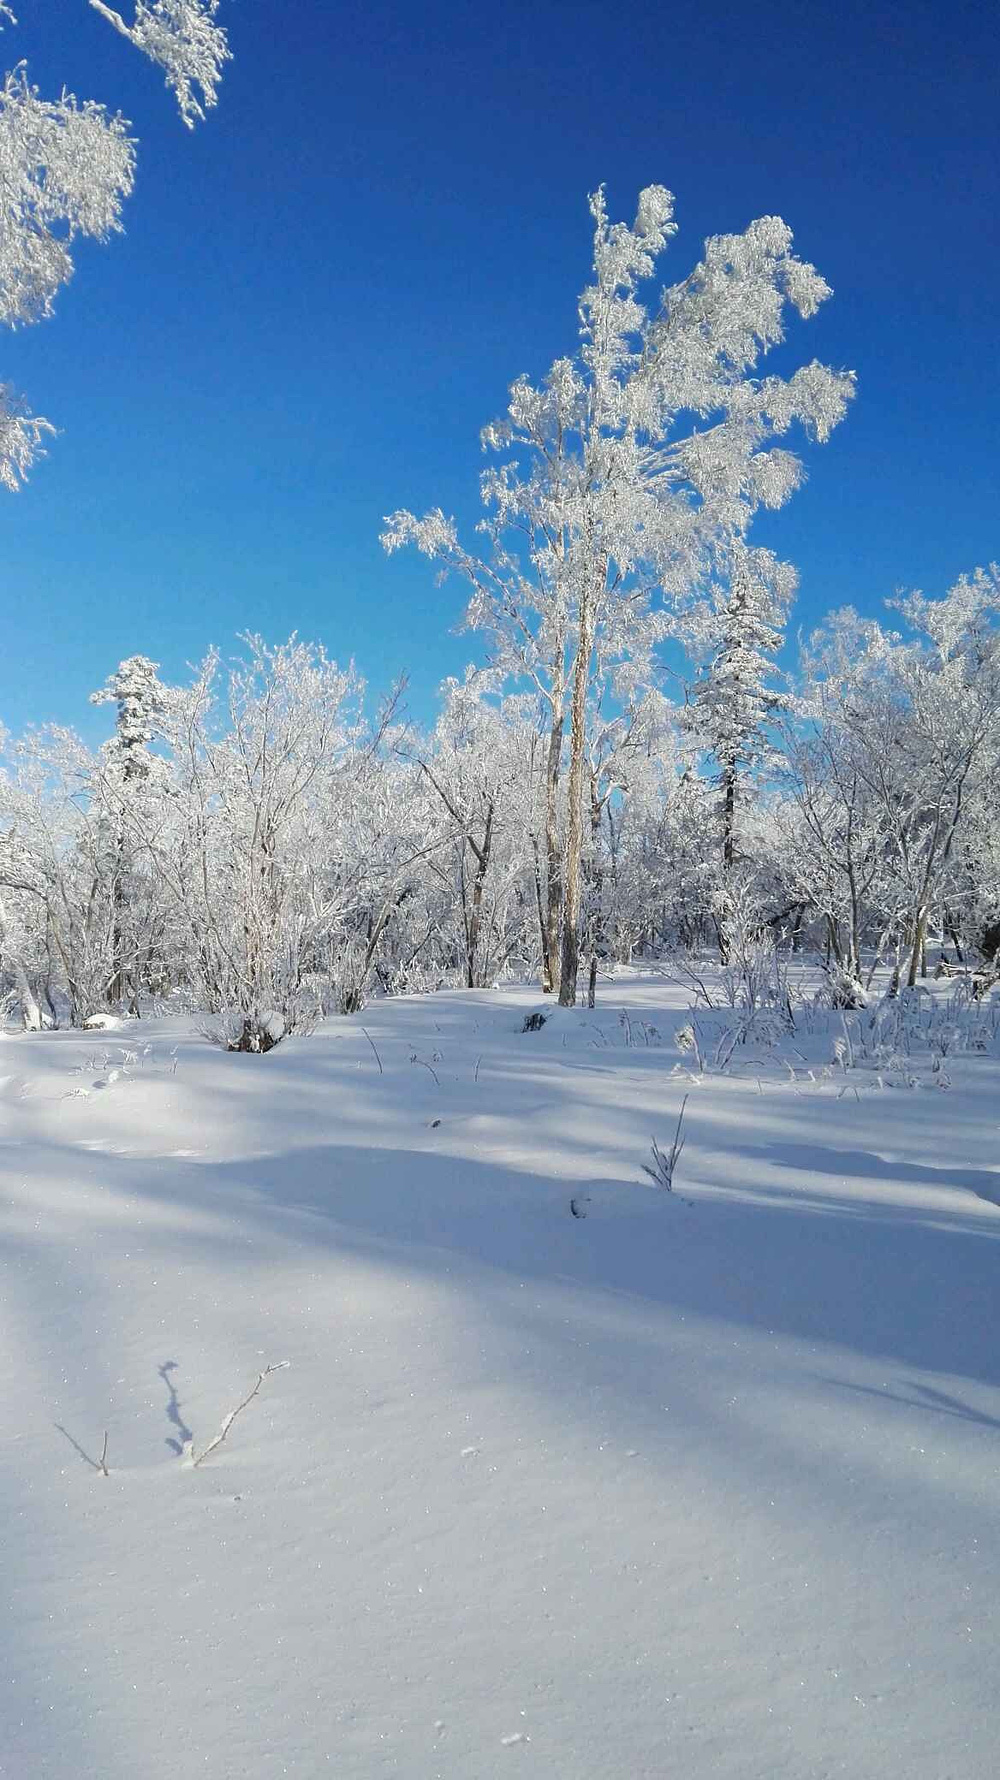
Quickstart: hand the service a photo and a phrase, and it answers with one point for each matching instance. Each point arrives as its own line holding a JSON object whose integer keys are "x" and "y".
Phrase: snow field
{"x": 701, "y": 1485}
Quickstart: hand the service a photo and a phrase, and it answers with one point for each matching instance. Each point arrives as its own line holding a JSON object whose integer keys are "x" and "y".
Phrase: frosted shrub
{"x": 844, "y": 989}
{"x": 753, "y": 981}
{"x": 238, "y": 1029}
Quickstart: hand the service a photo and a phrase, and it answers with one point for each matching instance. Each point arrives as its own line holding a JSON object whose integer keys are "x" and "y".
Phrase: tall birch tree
{"x": 627, "y": 476}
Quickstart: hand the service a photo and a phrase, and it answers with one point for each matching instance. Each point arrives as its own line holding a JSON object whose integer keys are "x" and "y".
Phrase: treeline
{"x": 254, "y": 846}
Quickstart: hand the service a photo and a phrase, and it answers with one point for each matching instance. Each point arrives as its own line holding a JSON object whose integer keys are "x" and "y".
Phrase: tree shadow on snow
{"x": 899, "y": 1283}
{"x": 918, "y": 1396}
{"x": 869, "y": 1165}
{"x": 646, "y": 1305}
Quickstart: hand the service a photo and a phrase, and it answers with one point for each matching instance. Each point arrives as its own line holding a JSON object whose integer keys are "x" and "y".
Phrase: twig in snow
{"x": 423, "y": 1065}
{"x": 371, "y": 1041}
{"x": 100, "y": 1464}
{"x": 478, "y": 1061}
{"x": 233, "y": 1413}
{"x": 661, "y": 1172}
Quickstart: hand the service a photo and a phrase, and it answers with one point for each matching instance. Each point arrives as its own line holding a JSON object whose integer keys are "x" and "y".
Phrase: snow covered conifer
{"x": 735, "y": 696}
{"x": 139, "y": 696}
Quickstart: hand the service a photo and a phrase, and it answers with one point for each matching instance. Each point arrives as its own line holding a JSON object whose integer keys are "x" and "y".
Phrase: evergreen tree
{"x": 735, "y": 697}
{"x": 139, "y": 696}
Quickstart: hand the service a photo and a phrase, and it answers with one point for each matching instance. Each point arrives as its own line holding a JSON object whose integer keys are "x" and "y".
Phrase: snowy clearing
{"x": 700, "y": 1484}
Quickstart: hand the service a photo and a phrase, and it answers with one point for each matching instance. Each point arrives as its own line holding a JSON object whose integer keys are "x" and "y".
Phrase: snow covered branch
{"x": 182, "y": 38}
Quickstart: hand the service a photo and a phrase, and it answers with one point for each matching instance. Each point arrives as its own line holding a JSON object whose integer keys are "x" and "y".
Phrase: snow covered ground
{"x": 703, "y": 1485}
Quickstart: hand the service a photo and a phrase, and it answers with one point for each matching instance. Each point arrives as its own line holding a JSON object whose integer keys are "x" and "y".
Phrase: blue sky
{"x": 324, "y": 292}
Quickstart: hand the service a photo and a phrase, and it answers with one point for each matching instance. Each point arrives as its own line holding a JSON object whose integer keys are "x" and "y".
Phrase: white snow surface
{"x": 701, "y": 1485}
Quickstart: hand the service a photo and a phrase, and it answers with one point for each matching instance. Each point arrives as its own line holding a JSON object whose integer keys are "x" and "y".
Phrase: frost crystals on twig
{"x": 233, "y": 1413}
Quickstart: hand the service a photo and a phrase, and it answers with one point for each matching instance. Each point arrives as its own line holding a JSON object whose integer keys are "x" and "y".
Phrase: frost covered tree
{"x": 55, "y": 866}
{"x": 735, "y": 698}
{"x": 261, "y": 755}
{"x": 622, "y": 743}
{"x": 140, "y": 698}
{"x": 479, "y": 769}
{"x": 18, "y": 934}
{"x": 66, "y": 169}
{"x": 895, "y": 751}
{"x": 254, "y": 862}
{"x": 838, "y": 737}
{"x": 628, "y": 475}
{"x": 386, "y": 836}
{"x": 130, "y": 777}
{"x": 949, "y": 686}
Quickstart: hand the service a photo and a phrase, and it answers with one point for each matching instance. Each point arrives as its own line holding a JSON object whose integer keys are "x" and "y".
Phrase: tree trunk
{"x": 353, "y": 997}
{"x": 476, "y": 918}
{"x": 729, "y": 814}
{"x": 952, "y": 932}
{"x": 596, "y": 895}
{"x": 570, "y": 964}
{"x": 540, "y": 906}
{"x": 117, "y": 985}
{"x": 31, "y": 1013}
{"x": 554, "y": 886}
{"x": 854, "y": 960}
{"x": 919, "y": 936}
{"x": 877, "y": 959}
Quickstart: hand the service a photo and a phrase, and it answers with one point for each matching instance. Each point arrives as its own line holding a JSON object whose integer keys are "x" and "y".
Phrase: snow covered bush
{"x": 752, "y": 978}
{"x": 844, "y": 988}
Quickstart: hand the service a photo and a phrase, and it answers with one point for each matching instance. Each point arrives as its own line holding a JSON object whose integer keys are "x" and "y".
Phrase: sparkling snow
{"x": 702, "y": 1484}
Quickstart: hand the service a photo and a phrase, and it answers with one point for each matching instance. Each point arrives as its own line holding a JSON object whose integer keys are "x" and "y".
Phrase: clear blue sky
{"x": 324, "y": 292}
